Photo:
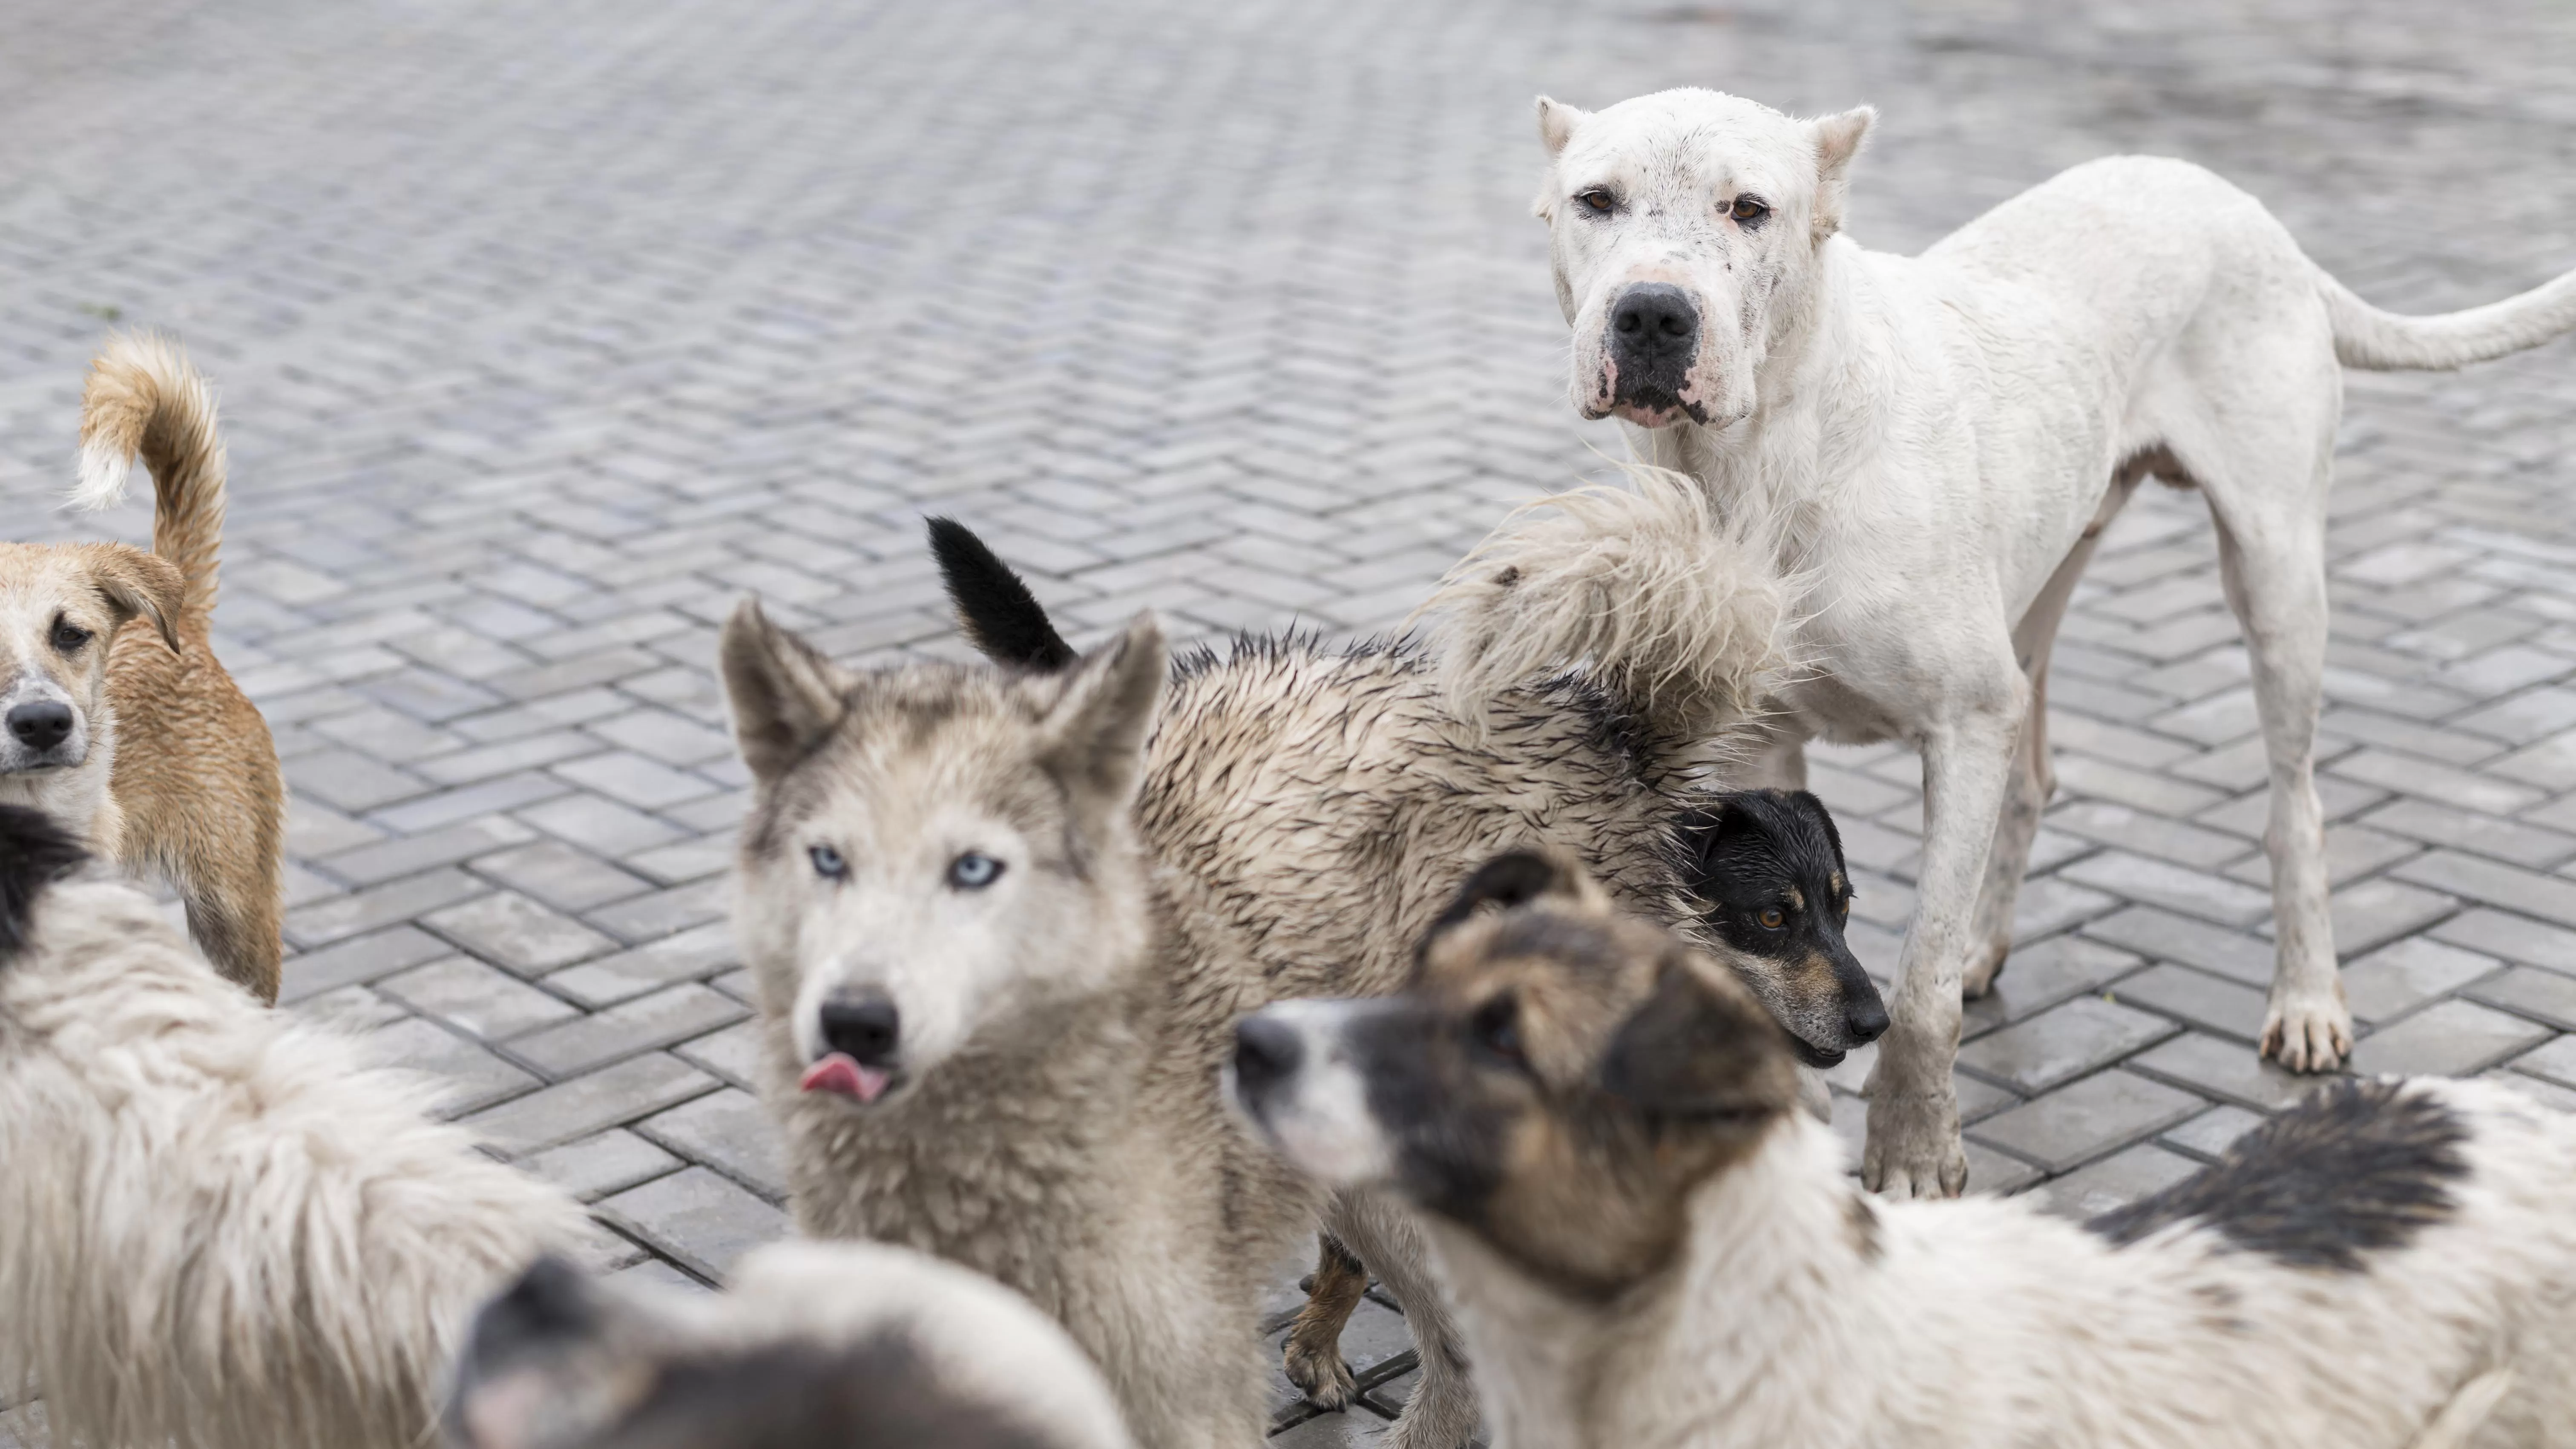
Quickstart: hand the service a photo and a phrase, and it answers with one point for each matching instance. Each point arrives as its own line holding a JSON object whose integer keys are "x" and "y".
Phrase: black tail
{"x": 34, "y": 853}
{"x": 1001, "y": 617}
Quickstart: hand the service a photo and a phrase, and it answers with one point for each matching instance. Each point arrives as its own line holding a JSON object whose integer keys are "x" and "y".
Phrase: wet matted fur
{"x": 218, "y": 1229}
{"x": 153, "y": 756}
{"x": 1649, "y": 1245}
{"x": 811, "y": 1346}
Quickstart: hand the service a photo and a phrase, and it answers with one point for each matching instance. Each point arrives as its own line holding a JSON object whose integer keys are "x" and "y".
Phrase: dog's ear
{"x": 1095, "y": 732}
{"x": 1514, "y": 878}
{"x": 785, "y": 696}
{"x": 1556, "y": 123}
{"x": 1815, "y": 810}
{"x": 1699, "y": 1048}
{"x": 134, "y": 583}
{"x": 1838, "y": 140}
{"x": 1002, "y": 619}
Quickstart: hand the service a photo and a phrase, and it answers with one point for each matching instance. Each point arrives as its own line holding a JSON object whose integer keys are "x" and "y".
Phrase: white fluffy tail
{"x": 2366, "y": 337}
{"x": 1683, "y": 614}
{"x": 2468, "y": 1409}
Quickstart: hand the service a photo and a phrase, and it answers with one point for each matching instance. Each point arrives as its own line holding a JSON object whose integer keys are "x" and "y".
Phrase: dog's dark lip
{"x": 1816, "y": 1056}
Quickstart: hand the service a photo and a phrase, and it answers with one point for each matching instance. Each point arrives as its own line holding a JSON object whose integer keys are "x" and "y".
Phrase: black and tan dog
{"x": 1649, "y": 1244}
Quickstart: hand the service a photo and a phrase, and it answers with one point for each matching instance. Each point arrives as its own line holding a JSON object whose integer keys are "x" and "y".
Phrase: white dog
{"x": 1649, "y": 1244}
{"x": 218, "y": 1230}
{"x": 1938, "y": 441}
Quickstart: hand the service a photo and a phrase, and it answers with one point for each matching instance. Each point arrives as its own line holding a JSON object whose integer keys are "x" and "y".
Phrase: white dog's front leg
{"x": 1914, "y": 1148}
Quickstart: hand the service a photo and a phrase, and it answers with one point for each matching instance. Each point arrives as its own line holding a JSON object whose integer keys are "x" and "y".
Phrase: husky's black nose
{"x": 1266, "y": 1052}
{"x": 864, "y": 1028}
{"x": 1654, "y": 323}
{"x": 42, "y": 724}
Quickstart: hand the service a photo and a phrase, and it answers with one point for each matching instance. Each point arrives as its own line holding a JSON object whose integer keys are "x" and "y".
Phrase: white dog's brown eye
{"x": 1598, "y": 200}
{"x": 1749, "y": 209}
{"x": 828, "y": 862}
{"x": 69, "y": 637}
{"x": 973, "y": 871}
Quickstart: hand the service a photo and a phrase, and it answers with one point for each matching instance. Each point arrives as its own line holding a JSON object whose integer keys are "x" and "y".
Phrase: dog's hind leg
{"x": 1313, "y": 1358}
{"x": 1443, "y": 1412}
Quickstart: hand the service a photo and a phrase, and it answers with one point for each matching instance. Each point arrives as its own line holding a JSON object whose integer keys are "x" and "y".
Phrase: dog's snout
{"x": 1654, "y": 320}
{"x": 866, "y": 1029}
{"x": 1865, "y": 1017}
{"x": 41, "y": 724}
{"x": 1266, "y": 1052}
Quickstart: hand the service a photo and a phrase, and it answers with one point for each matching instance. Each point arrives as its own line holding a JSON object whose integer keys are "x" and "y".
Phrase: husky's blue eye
{"x": 827, "y": 862}
{"x": 973, "y": 871}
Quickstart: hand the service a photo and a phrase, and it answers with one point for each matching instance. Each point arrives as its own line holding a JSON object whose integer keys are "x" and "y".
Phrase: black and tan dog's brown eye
{"x": 1772, "y": 918}
{"x": 1749, "y": 210}
{"x": 69, "y": 637}
{"x": 1598, "y": 200}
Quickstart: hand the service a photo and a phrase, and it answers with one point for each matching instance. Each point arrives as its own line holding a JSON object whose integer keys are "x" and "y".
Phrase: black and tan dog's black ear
{"x": 1508, "y": 880}
{"x": 35, "y": 852}
{"x": 1002, "y": 619}
{"x": 1700, "y": 1047}
{"x": 784, "y": 694}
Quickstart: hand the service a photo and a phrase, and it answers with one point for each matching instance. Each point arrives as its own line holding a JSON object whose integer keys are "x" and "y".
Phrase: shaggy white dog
{"x": 218, "y": 1228}
{"x": 1937, "y": 441}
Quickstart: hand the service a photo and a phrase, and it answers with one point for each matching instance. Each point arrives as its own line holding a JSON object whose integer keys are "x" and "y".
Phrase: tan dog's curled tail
{"x": 145, "y": 397}
{"x": 1683, "y": 615}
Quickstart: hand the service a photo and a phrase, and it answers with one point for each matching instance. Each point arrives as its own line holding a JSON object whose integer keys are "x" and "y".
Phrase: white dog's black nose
{"x": 1654, "y": 322}
{"x": 41, "y": 725}
{"x": 866, "y": 1029}
{"x": 1266, "y": 1052}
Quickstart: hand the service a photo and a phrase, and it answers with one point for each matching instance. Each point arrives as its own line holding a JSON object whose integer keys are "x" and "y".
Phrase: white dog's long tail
{"x": 2366, "y": 337}
{"x": 144, "y": 397}
{"x": 1682, "y": 613}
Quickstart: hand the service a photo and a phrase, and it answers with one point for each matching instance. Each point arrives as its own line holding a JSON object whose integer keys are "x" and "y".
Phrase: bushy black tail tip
{"x": 995, "y": 607}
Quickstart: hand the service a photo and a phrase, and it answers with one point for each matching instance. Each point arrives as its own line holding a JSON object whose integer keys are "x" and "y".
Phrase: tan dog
{"x": 115, "y": 718}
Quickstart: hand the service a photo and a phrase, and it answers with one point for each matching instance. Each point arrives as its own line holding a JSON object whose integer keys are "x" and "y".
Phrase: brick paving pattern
{"x": 546, "y": 331}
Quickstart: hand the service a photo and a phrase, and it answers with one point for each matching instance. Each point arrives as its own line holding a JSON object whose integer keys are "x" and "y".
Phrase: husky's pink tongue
{"x": 837, "y": 1073}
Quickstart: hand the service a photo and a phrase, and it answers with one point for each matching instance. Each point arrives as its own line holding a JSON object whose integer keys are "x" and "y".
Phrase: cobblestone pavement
{"x": 544, "y": 331}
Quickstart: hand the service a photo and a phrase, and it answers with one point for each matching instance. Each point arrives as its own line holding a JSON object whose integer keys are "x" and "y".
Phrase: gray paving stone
{"x": 2514, "y": 938}
{"x": 730, "y": 1131}
{"x": 2229, "y": 1071}
{"x": 2086, "y": 1119}
{"x": 475, "y": 998}
{"x": 508, "y": 929}
{"x": 2452, "y": 1038}
{"x": 2211, "y": 1133}
{"x": 733, "y": 1053}
{"x": 611, "y": 1097}
{"x": 644, "y": 1024}
{"x": 2197, "y": 999}
{"x": 341, "y": 917}
{"x": 360, "y": 959}
{"x": 2392, "y": 981}
{"x": 2115, "y": 1181}
{"x": 610, "y": 1162}
{"x": 558, "y": 875}
{"x": 699, "y": 1220}
{"x": 385, "y": 860}
{"x": 2035, "y": 978}
{"x": 2543, "y": 996}
{"x": 469, "y": 1077}
{"x": 2063, "y": 1043}
{"x": 2163, "y": 935}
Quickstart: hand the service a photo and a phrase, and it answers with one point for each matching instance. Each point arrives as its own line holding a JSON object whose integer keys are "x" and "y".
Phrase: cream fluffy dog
{"x": 218, "y": 1230}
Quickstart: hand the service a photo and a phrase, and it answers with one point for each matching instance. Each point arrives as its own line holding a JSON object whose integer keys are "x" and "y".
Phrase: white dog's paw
{"x": 2308, "y": 1031}
{"x": 1914, "y": 1147}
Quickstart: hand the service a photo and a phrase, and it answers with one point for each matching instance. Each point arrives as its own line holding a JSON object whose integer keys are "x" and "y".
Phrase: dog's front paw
{"x": 1320, "y": 1372}
{"x": 2308, "y": 1031}
{"x": 1914, "y": 1146}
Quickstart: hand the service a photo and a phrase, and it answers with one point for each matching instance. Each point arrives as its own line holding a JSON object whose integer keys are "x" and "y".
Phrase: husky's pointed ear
{"x": 784, "y": 694}
{"x": 1515, "y": 878}
{"x": 135, "y": 583}
{"x": 1556, "y": 123}
{"x": 1700, "y": 1048}
{"x": 1096, "y": 729}
{"x": 1838, "y": 140}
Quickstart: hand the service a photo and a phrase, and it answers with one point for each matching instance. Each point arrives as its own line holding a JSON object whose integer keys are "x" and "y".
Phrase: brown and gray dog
{"x": 1000, "y": 941}
{"x": 115, "y": 717}
{"x": 812, "y": 1346}
{"x": 1649, "y": 1244}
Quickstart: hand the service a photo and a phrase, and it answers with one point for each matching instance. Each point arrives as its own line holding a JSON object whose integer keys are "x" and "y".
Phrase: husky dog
{"x": 812, "y": 1346}
{"x": 1381, "y": 769}
{"x": 118, "y": 719}
{"x": 1649, "y": 1245}
{"x": 999, "y": 946}
{"x": 1939, "y": 440}
{"x": 217, "y": 1229}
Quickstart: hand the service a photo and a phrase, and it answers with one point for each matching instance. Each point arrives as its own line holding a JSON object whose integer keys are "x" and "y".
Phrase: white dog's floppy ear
{"x": 1838, "y": 140}
{"x": 1095, "y": 732}
{"x": 1556, "y": 123}
{"x": 784, "y": 694}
